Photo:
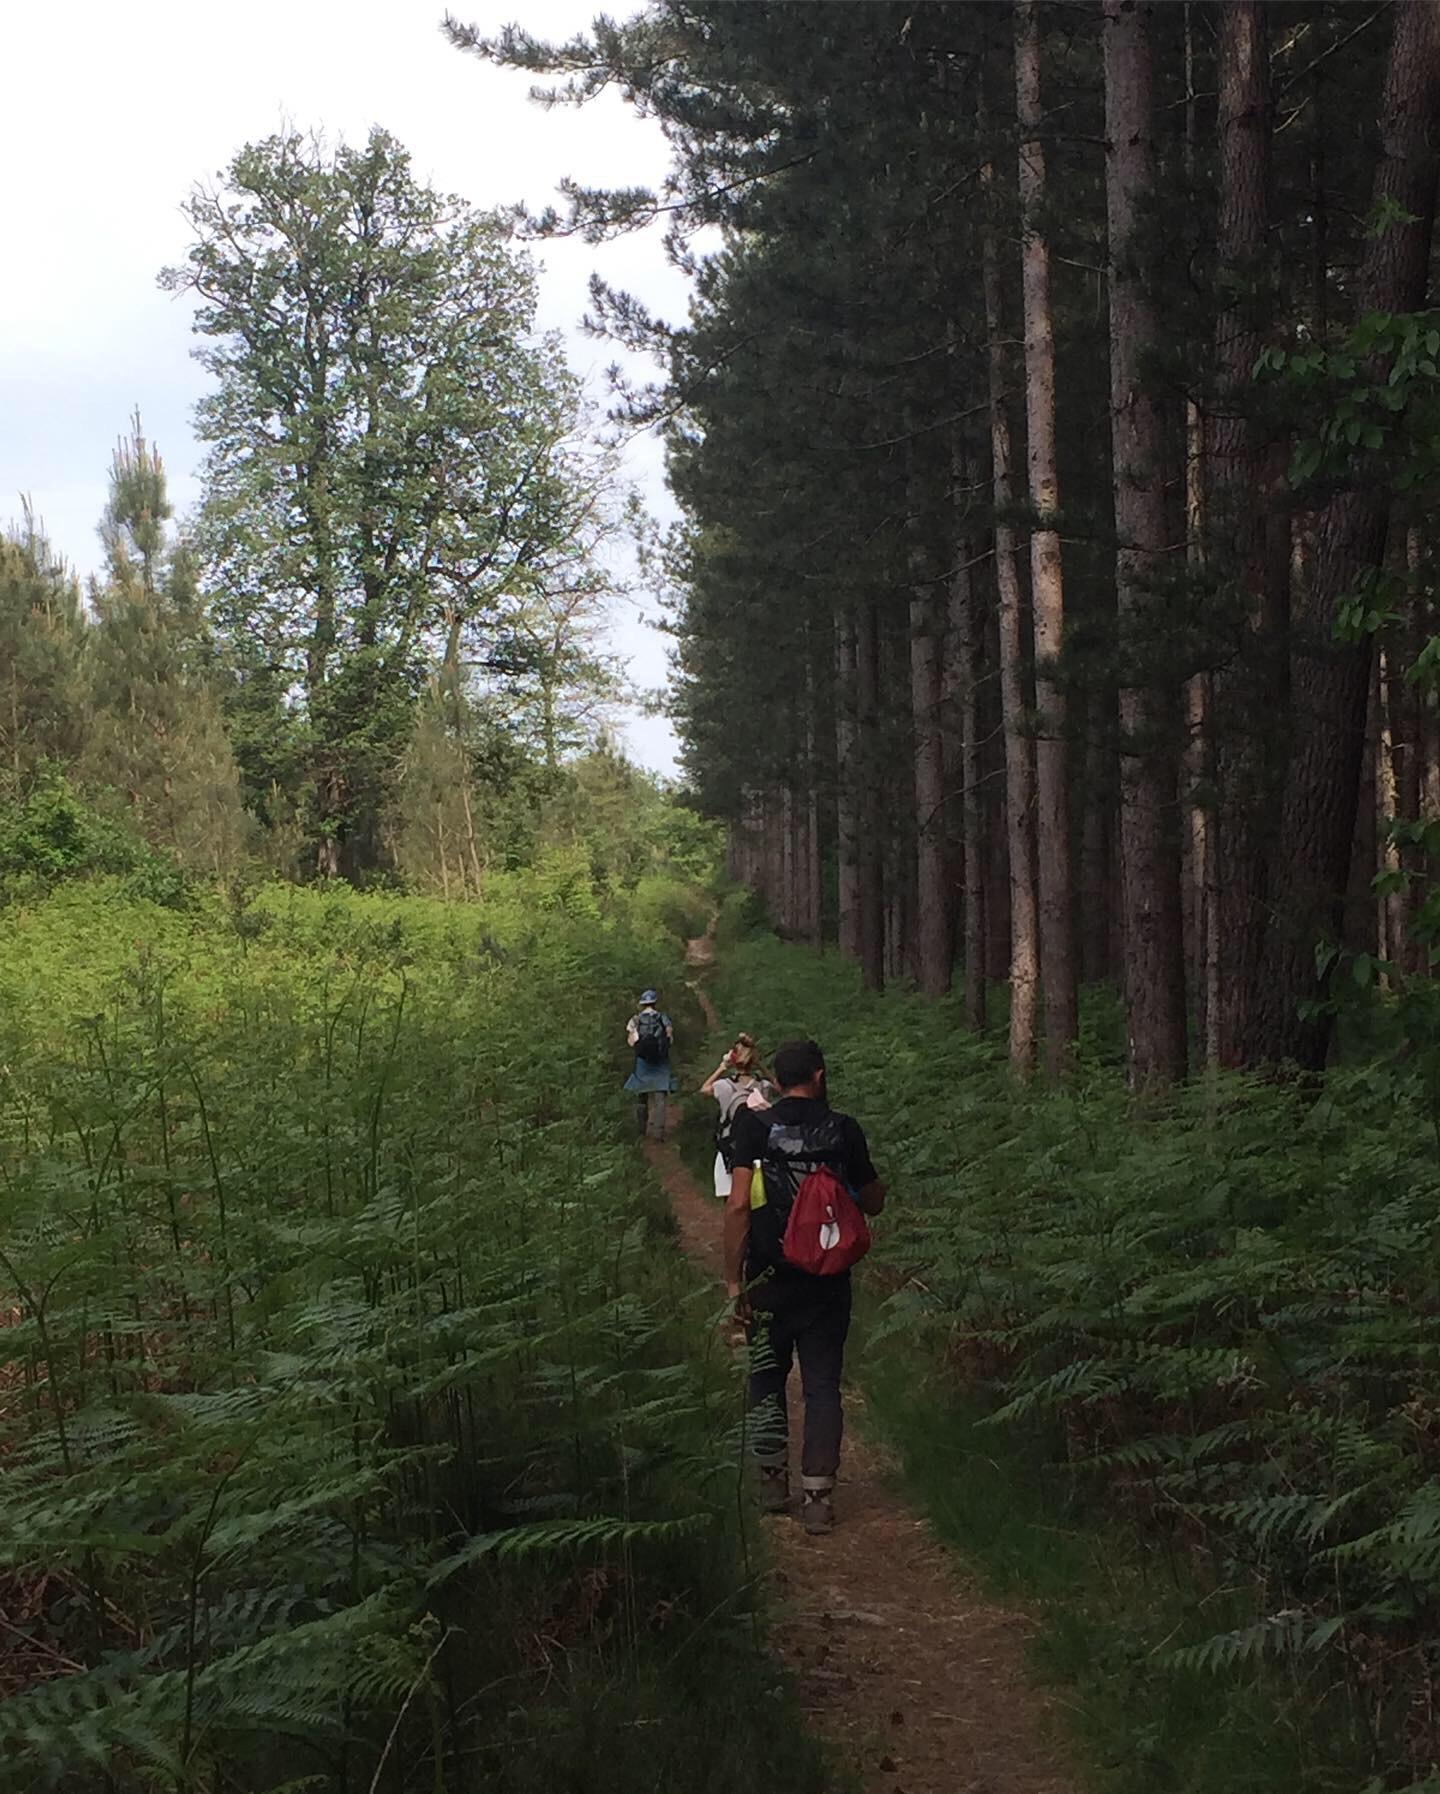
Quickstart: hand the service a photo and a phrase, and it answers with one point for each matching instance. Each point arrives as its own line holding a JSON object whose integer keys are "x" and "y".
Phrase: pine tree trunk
{"x": 1096, "y": 960}
{"x": 1359, "y": 930}
{"x": 1047, "y": 589}
{"x": 1390, "y": 751}
{"x": 1407, "y": 725}
{"x": 788, "y": 878}
{"x": 963, "y": 658}
{"x": 1150, "y": 870}
{"x": 1019, "y": 761}
{"x": 997, "y": 893}
{"x": 933, "y": 951}
{"x": 1201, "y": 933}
{"x": 815, "y": 870}
{"x": 1246, "y": 709}
{"x": 1331, "y": 681}
{"x": 847, "y": 822}
{"x": 870, "y": 848}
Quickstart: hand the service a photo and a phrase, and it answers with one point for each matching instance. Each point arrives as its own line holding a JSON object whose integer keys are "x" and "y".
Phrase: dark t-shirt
{"x": 839, "y": 1141}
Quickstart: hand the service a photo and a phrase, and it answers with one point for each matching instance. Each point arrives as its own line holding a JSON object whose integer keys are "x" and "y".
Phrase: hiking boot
{"x": 817, "y": 1511}
{"x": 774, "y": 1489}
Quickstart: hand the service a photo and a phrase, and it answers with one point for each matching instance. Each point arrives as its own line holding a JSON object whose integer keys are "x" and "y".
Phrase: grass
{"x": 1109, "y": 1606}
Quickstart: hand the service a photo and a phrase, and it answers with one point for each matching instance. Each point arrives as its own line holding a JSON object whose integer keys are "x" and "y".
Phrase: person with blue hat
{"x": 651, "y": 1033}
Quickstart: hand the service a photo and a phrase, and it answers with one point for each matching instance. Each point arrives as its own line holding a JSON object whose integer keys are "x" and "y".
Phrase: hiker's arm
{"x": 864, "y": 1179}
{"x": 737, "y": 1228}
{"x": 871, "y": 1196}
{"x": 708, "y": 1087}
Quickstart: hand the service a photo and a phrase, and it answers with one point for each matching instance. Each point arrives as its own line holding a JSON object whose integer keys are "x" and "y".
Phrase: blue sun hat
{"x": 649, "y": 996}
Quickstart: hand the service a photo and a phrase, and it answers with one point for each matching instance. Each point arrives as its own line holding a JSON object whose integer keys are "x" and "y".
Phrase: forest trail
{"x": 916, "y": 1681}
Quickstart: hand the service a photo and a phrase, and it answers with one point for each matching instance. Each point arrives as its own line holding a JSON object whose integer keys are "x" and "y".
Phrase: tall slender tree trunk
{"x": 963, "y": 656}
{"x": 1407, "y": 725}
{"x": 1150, "y": 869}
{"x": 1201, "y": 923}
{"x": 812, "y": 875}
{"x": 847, "y": 816}
{"x": 1096, "y": 840}
{"x": 1019, "y": 760}
{"x": 789, "y": 874}
{"x": 1331, "y": 681}
{"x": 1247, "y": 713}
{"x": 814, "y": 870}
{"x": 932, "y": 912}
{"x": 871, "y": 845}
{"x": 1047, "y": 588}
{"x": 1389, "y": 756}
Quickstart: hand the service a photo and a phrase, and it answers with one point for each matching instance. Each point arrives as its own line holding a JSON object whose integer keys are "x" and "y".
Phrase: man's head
{"x": 800, "y": 1068}
{"x": 648, "y": 998}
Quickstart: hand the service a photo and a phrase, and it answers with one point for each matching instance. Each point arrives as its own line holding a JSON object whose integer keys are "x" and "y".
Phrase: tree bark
{"x": 1047, "y": 589}
{"x": 1096, "y": 841}
{"x": 933, "y": 945}
{"x": 815, "y": 872}
{"x": 1019, "y": 760}
{"x": 789, "y": 880}
{"x": 1331, "y": 680}
{"x": 1390, "y": 921}
{"x": 1407, "y": 712}
{"x": 1150, "y": 871}
{"x": 1201, "y": 931}
{"x": 962, "y": 653}
{"x": 847, "y": 825}
{"x": 1245, "y": 709}
{"x": 871, "y": 864}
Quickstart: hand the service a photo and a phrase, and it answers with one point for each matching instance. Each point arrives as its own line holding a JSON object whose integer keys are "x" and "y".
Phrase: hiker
{"x": 737, "y": 1081}
{"x": 652, "y": 1034}
{"x": 798, "y": 1148}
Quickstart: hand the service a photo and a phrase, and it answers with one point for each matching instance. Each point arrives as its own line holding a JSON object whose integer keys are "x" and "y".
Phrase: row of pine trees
{"x": 1053, "y": 433}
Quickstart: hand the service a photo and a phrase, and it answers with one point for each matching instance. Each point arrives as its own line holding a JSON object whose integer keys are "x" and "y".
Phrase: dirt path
{"x": 918, "y": 1682}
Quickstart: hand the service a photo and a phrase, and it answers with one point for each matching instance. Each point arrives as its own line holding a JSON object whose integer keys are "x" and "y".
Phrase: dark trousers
{"x": 809, "y": 1316}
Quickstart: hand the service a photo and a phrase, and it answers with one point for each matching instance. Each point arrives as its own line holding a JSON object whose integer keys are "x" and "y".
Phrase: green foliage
{"x": 1377, "y": 396}
{"x": 155, "y": 738}
{"x": 41, "y": 629}
{"x": 394, "y": 480}
{"x": 360, "y": 1424}
{"x": 1210, "y": 1314}
{"x": 53, "y": 834}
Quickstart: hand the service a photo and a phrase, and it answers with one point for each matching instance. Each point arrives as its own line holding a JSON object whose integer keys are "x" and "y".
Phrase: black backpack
{"x": 793, "y": 1149}
{"x": 652, "y": 1043}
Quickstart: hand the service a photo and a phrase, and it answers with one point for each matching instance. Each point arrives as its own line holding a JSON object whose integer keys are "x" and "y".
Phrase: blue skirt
{"x": 647, "y": 1077}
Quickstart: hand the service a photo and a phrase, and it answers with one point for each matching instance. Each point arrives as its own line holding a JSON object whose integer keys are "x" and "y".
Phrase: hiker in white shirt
{"x": 739, "y": 1081}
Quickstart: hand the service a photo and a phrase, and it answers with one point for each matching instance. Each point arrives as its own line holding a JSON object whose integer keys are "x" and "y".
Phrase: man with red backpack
{"x": 794, "y": 1224}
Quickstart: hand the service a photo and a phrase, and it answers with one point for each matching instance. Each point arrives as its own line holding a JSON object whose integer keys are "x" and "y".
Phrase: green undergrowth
{"x": 1166, "y": 1373}
{"x": 361, "y": 1429}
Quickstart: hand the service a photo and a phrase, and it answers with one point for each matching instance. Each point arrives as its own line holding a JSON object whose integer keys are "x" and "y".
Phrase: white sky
{"x": 113, "y": 112}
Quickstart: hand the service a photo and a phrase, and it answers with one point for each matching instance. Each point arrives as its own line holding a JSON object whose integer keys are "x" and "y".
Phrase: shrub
{"x": 53, "y": 834}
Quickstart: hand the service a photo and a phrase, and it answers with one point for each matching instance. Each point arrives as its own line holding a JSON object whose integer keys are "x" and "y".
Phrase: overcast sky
{"x": 113, "y": 112}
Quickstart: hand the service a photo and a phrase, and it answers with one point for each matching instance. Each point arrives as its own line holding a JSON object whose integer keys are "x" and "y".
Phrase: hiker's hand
{"x": 740, "y": 1307}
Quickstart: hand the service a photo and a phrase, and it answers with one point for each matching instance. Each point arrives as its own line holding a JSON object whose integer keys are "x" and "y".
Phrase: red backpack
{"x": 826, "y": 1232}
